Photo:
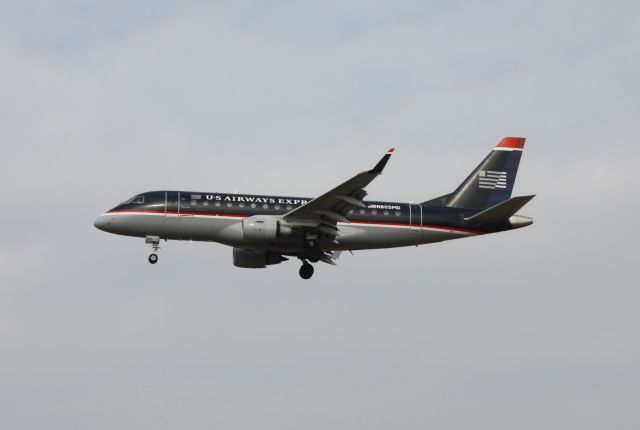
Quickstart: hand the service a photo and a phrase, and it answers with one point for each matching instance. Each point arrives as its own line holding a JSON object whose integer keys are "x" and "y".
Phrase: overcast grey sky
{"x": 536, "y": 328}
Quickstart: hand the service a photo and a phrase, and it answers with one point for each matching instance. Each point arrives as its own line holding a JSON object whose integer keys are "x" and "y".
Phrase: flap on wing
{"x": 335, "y": 204}
{"x": 501, "y": 211}
{"x": 326, "y": 211}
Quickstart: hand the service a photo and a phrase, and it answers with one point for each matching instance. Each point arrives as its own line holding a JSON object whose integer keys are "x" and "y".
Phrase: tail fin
{"x": 491, "y": 182}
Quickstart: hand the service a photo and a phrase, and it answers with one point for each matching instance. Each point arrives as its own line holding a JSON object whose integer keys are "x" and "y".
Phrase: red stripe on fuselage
{"x": 150, "y": 211}
{"x": 215, "y": 214}
{"x": 401, "y": 224}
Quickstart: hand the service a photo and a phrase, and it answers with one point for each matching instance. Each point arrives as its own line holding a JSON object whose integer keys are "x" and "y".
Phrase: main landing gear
{"x": 306, "y": 270}
{"x": 154, "y": 241}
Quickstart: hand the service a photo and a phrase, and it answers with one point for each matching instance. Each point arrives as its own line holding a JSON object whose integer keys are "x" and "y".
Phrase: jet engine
{"x": 264, "y": 228}
{"x": 255, "y": 259}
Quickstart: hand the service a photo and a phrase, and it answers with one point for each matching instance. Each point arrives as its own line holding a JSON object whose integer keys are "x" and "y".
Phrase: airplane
{"x": 265, "y": 230}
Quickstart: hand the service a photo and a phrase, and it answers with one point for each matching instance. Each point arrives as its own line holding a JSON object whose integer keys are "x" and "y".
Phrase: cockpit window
{"x": 136, "y": 200}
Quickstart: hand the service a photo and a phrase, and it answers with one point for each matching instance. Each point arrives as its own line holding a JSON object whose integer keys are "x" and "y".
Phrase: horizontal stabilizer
{"x": 500, "y": 212}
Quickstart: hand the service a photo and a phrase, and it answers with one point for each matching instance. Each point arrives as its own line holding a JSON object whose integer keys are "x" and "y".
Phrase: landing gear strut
{"x": 306, "y": 270}
{"x": 154, "y": 241}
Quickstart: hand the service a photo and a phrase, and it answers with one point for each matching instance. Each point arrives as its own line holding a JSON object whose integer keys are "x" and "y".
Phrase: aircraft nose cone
{"x": 101, "y": 223}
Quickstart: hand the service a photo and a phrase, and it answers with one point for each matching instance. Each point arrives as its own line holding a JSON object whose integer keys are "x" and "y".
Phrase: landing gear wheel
{"x": 154, "y": 242}
{"x": 306, "y": 271}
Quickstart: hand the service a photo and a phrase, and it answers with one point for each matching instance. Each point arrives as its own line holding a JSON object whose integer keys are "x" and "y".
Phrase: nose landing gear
{"x": 306, "y": 270}
{"x": 154, "y": 241}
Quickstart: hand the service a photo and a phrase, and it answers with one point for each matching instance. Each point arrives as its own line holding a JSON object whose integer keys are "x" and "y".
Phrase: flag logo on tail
{"x": 491, "y": 180}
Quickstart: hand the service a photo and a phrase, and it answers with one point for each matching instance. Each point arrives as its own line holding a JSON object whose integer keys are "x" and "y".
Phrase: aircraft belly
{"x": 373, "y": 237}
{"x": 177, "y": 227}
{"x": 218, "y": 229}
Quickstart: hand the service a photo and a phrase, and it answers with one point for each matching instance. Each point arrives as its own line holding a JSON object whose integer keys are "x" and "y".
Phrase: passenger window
{"x": 241, "y": 205}
{"x": 253, "y": 205}
{"x": 362, "y": 211}
{"x": 229, "y": 204}
{"x": 397, "y": 213}
{"x": 277, "y": 207}
{"x": 386, "y": 212}
{"x": 218, "y": 204}
{"x": 373, "y": 211}
{"x": 265, "y": 206}
{"x": 205, "y": 203}
{"x": 289, "y": 208}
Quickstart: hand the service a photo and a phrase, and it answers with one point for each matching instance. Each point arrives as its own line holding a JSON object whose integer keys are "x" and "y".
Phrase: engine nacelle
{"x": 255, "y": 259}
{"x": 264, "y": 228}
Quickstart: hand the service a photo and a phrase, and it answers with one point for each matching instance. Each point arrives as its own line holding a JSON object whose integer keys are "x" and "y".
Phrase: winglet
{"x": 383, "y": 162}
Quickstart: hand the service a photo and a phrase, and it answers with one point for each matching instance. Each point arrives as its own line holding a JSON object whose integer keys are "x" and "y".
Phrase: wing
{"x": 322, "y": 214}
